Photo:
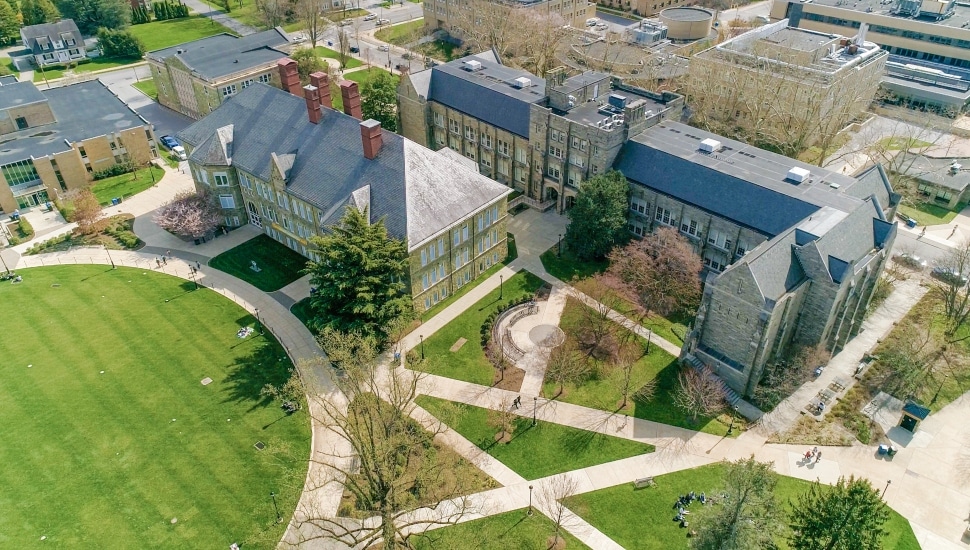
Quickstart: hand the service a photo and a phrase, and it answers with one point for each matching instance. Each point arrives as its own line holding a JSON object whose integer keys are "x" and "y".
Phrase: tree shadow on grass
{"x": 266, "y": 363}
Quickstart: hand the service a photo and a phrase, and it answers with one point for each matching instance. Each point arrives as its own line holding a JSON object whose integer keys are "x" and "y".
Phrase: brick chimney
{"x": 312, "y": 97}
{"x": 322, "y": 82}
{"x": 370, "y": 137}
{"x": 351, "y": 98}
{"x": 289, "y": 77}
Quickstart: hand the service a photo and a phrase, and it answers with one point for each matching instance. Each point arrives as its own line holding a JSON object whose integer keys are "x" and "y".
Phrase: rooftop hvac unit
{"x": 473, "y": 65}
{"x": 522, "y": 82}
{"x": 617, "y": 100}
{"x": 955, "y": 167}
{"x": 798, "y": 175}
{"x": 710, "y": 145}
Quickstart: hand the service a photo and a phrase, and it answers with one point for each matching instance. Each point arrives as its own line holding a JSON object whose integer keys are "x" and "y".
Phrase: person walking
{"x": 818, "y": 456}
{"x": 158, "y": 262}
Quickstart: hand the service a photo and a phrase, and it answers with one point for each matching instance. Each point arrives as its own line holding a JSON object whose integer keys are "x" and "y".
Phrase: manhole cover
{"x": 547, "y": 336}
{"x": 260, "y": 445}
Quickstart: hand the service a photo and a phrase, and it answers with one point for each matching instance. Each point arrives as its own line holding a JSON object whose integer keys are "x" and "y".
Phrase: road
{"x": 747, "y": 12}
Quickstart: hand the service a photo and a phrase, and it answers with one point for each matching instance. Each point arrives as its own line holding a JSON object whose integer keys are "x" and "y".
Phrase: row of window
{"x": 690, "y": 227}
{"x": 230, "y": 89}
{"x": 891, "y": 31}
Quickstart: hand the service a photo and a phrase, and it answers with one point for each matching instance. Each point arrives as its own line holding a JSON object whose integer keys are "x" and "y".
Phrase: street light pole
{"x": 421, "y": 336}
{"x": 279, "y": 518}
{"x": 530, "y": 500}
{"x": 259, "y": 324}
{"x": 109, "y": 256}
{"x": 194, "y": 280}
{"x": 888, "y": 481}
{"x": 559, "y": 253}
{"x": 500, "y": 280}
{"x": 535, "y": 405}
{"x": 733, "y": 417}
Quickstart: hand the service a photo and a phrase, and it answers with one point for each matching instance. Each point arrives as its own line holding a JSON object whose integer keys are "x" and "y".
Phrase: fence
{"x": 517, "y": 313}
{"x": 532, "y": 203}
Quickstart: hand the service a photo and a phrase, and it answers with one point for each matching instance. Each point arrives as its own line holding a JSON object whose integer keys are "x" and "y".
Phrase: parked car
{"x": 354, "y": 49}
{"x": 168, "y": 142}
{"x": 346, "y": 23}
{"x": 383, "y": 47}
{"x": 911, "y": 260}
{"x": 592, "y": 21}
{"x": 602, "y": 27}
{"x": 179, "y": 152}
{"x": 370, "y": 17}
{"x": 949, "y": 276}
{"x": 383, "y": 22}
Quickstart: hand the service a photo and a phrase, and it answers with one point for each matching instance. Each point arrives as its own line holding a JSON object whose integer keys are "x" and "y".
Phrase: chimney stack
{"x": 351, "y": 98}
{"x": 370, "y": 136}
{"x": 322, "y": 82}
{"x": 312, "y": 97}
{"x": 289, "y": 77}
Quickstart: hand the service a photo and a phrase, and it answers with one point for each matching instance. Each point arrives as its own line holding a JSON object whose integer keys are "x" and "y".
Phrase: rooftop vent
{"x": 955, "y": 168}
{"x": 522, "y": 82}
{"x": 472, "y": 65}
{"x": 834, "y": 185}
{"x": 798, "y": 175}
{"x": 617, "y": 100}
{"x": 710, "y": 145}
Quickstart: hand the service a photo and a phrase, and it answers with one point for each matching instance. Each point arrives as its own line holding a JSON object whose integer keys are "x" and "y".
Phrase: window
{"x": 432, "y": 252}
{"x": 503, "y": 166}
{"x": 441, "y": 271}
{"x": 716, "y": 265}
{"x": 495, "y": 214}
{"x": 441, "y": 246}
{"x": 486, "y": 140}
{"x": 247, "y": 83}
{"x": 227, "y": 201}
{"x": 719, "y": 239}
{"x": 453, "y": 126}
{"x": 424, "y": 281}
{"x": 20, "y": 172}
{"x": 556, "y": 135}
{"x": 439, "y": 120}
{"x": 464, "y": 233}
{"x": 486, "y": 161}
{"x": 503, "y": 147}
{"x": 575, "y": 178}
{"x": 553, "y": 172}
{"x": 638, "y": 205}
{"x": 742, "y": 249}
{"x": 84, "y": 153}
{"x": 222, "y": 180}
{"x": 664, "y": 216}
{"x": 520, "y": 155}
{"x": 577, "y": 160}
{"x": 457, "y": 238}
{"x": 264, "y": 78}
{"x": 424, "y": 258}
{"x": 228, "y": 90}
{"x": 470, "y": 133}
{"x": 690, "y": 227}
{"x": 555, "y": 151}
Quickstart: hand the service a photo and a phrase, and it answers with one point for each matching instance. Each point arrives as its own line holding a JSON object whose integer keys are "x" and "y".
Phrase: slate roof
{"x": 224, "y": 54}
{"x": 419, "y": 192}
{"x": 50, "y": 32}
{"x": 18, "y": 94}
{"x": 82, "y": 111}
{"x": 487, "y": 94}
{"x": 774, "y": 266}
{"x": 936, "y": 171}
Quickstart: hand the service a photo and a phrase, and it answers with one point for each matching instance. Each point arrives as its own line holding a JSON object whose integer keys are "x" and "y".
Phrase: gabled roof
{"x": 774, "y": 266}
{"x": 224, "y": 54}
{"x": 418, "y": 192}
{"x": 488, "y": 93}
{"x": 48, "y": 33}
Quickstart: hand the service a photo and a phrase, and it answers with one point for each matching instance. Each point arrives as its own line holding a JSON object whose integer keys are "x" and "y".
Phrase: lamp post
{"x": 530, "y": 500}
{"x": 500, "y": 290}
{"x": 279, "y": 518}
{"x": 734, "y": 415}
{"x": 259, "y": 324}
{"x": 886, "y": 488}
{"x": 421, "y": 336}
{"x": 559, "y": 253}
{"x": 109, "y": 256}
{"x": 194, "y": 280}
{"x": 535, "y": 405}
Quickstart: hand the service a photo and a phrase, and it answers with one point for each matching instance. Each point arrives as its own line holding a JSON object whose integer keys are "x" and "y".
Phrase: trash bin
{"x": 116, "y": 201}
{"x": 911, "y": 223}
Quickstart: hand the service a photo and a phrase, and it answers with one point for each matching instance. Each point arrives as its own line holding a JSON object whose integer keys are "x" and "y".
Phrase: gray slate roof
{"x": 774, "y": 267}
{"x": 50, "y": 32}
{"x": 936, "y": 171}
{"x": 417, "y": 191}
{"x": 82, "y": 111}
{"x": 487, "y": 94}
{"x": 224, "y": 54}
{"x": 17, "y": 94}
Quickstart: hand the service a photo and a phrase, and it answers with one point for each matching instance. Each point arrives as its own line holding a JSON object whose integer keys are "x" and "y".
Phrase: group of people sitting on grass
{"x": 685, "y": 501}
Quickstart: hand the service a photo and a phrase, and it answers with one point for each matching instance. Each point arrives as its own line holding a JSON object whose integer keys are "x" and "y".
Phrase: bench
{"x": 644, "y": 482}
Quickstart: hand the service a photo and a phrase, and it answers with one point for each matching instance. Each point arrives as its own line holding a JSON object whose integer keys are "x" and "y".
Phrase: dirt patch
{"x": 457, "y": 345}
{"x": 511, "y": 380}
{"x": 808, "y": 431}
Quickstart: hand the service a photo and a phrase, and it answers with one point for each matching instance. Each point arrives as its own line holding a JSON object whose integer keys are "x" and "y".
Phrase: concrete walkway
{"x": 219, "y": 16}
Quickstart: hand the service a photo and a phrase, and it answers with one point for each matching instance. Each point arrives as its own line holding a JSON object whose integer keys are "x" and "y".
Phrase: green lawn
{"x": 402, "y": 34}
{"x": 97, "y": 64}
{"x": 301, "y": 310}
{"x": 544, "y": 450}
{"x": 515, "y": 530}
{"x": 364, "y": 75}
{"x": 279, "y": 266}
{"x": 625, "y": 514}
{"x": 568, "y": 267}
{"x": 148, "y": 88}
{"x": 603, "y": 392}
{"x": 243, "y": 11}
{"x": 469, "y": 363}
{"x": 441, "y": 50}
{"x": 352, "y": 62}
{"x": 111, "y": 441}
{"x": 126, "y": 186}
{"x": 927, "y": 213}
{"x": 162, "y": 34}
{"x": 6, "y": 66}
{"x": 899, "y": 143}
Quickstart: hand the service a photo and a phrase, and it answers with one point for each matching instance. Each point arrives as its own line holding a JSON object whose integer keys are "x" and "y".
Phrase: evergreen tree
{"x": 378, "y": 99}
{"x": 9, "y": 24}
{"x": 36, "y": 12}
{"x": 90, "y": 15}
{"x": 848, "y": 516}
{"x": 597, "y": 220}
{"x": 359, "y": 279}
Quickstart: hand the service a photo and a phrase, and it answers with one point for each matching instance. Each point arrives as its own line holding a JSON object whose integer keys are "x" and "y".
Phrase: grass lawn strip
{"x": 148, "y": 88}
{"x": 278, "y": 265}
{"x": 625, "y": 514}
{"x": 603, "y": 393}
{"x": 534, "y": 452}
{"x": 96, "y": 64}
{"x": 515, "y": 530}
{"x": 124, "y": 185}
{"x": 366, "y": 75}
{"x": 352, "y": 62}
{"x": 96, "y": 460}
{"x": 162, "y": 34}
{"x": 926, "y": 213}
{"x": 400, "y": 35}
{"x": 469, "y": 363}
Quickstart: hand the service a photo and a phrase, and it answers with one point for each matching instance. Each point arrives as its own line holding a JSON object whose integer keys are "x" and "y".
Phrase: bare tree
{"x": 485, "y": 25}
{"x": 386, "y": 460}
{"x": 189, "y": 214}
{"x": 541, "y": 34}
{"x": 552, "y": 499}
{"x": 566, "y": 365}
{"x": 272, "y": 13}
{"x": 698, "y": 394}
{"x": 596, "y": 331}
{"x": 661, "y": 270}
{"x": 624, "y": 364}
{"x": 503, "y": 420}
{"x": 952, "y": 290}
{"x": 88, "y": 214}
{"x": 310, "y": 13}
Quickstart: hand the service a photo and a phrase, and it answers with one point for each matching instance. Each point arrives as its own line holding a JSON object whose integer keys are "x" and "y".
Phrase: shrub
{"x": 115, "y": 170}
{"x": 121, "y": 43}
{"x": 26, "y": 230}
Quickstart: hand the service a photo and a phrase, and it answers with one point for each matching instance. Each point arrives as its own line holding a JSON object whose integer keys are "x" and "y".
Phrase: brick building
{"x": 55, "y": 140}
{"x": 196, "y": 77}
{"x": 284, "y": 163}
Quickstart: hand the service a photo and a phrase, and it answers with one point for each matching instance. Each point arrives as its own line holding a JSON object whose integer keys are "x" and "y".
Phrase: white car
{"x": 384, "y": 47}
{"x": 370, "y": 17}
{"x": 179, "y": 152}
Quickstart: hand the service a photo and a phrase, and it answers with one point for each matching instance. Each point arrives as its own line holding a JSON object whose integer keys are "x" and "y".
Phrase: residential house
{"x": 284, "y": 163}
{"x": 54, "y": 141}
{"x": 942, "y": 181}
{"x": 54, "y": 43}
{"x": 196, "y": 77}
